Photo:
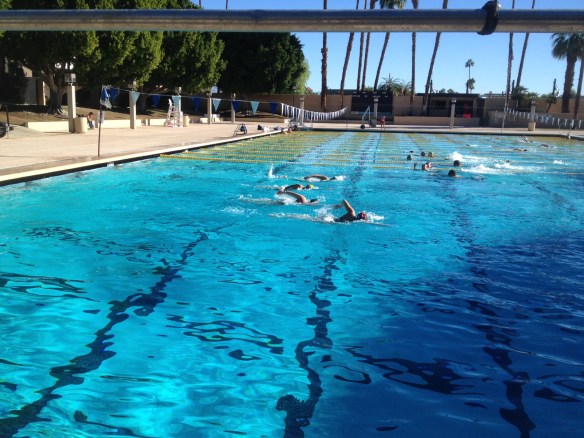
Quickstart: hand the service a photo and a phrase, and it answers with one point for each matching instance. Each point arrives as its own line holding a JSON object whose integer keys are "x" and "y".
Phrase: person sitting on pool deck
{"x": 297, "y": 187}
{"x": 300, "y": 199}
{"x": 319, "y": 177}
{"x": 350, "y": 215}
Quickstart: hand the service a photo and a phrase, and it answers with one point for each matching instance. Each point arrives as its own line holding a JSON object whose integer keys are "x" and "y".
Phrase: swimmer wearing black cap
{"x": 319, "y": 177}
{"x": 298, "y": 187}
{"x": 300, "y": 199}
{"x": 350, "y": 215}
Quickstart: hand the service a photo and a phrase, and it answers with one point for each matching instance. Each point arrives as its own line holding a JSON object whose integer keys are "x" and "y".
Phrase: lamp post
{"x": 70, "y": 80}
{"x": 232, "y": 108}
{"x": 132, "y": 87}
{"x": 452, "y": 111}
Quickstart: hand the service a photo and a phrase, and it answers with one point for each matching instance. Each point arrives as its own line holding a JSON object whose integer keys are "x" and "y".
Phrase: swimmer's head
{"x": 309, "y": 186}
{"x": 362, "y": 216}
{"x": 452, "y": 173}
{"x": 313, "y": 201}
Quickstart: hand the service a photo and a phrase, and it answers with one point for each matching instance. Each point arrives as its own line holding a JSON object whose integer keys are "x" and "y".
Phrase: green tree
{"x": 567, "y": 46}
{"x": 386, "y": 4}
{"x": 261, "y": 62}
{"x": 98, "y": 58}
{"x": 470, "y": 85}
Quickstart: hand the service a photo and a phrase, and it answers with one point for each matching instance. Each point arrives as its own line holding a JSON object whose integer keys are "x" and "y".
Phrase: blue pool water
{"x": 177, "y": 297}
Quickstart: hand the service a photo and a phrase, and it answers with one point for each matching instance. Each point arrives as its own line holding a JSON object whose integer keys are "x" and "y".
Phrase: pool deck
{"x": 27, "y": 155}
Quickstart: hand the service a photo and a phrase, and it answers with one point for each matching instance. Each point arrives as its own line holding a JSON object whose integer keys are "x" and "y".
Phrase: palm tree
{"x": 469, "y": 63}
{"x": 430, "y": 70}
{"x": 415, "y": 4}
{"x": 371, "y": 6}
{"x": 324, "y": 52}
{"x": 566, "y": 45}
{"x": 386, "y": 4}
{"x": 346, "y": 65}
{"x": 470, "y": 84}
{"x": 361, "y": 43}
{"x": 580, "y": 78}
{"x": 520, "y": 72}
{"x": 508, "y": 90}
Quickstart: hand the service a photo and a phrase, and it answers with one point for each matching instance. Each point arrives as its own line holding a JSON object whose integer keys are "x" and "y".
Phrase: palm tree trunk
{"x": 579, "y": 92}
{"x": 372, "y": 6}
{"x": 413, "y": 81}
{"x": 431, "y": 68}
{"x": 346, "y": 64}
{"x": 381, "y": 57}
{"x": 360, "y": 61}
{"x": 324, "y": 52}
{"x": 568, "y": 82}
{"x": 523, "y": 52}
{"x": 509, "y": 63}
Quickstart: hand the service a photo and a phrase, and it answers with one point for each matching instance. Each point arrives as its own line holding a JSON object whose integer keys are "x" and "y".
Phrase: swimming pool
{"x": 179, "y": 297}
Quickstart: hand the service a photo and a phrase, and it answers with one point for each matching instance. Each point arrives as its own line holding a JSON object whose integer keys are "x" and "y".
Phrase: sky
{"x": 489, "y": 53}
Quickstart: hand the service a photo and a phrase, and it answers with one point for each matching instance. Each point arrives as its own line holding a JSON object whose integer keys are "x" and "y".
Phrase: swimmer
{"x": 299, "y": 199}
{"x": 350, "y": 215}
{"x": 409, "y": 158}
{"x": 424, "y": 167}
{"x": 415, "y": 165}
{"x": 297, "y": 187}
{"x": 452, "y": 173}
{"x": 423, "y": 154}
{"x": 456, "y": 163}
{"x": 430, "y": 155}
{"x": 319, "y": 177}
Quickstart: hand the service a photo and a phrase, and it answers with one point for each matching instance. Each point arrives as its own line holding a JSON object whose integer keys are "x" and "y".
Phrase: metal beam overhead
{"x": 192, "y": 20}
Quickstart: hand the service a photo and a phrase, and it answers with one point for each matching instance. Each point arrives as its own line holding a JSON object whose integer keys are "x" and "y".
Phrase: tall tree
{"x": 508, "y": 90}
{"x": 346, "y": 64}
{"x": 412, "y": 94}
{"x": 431, "y": 68}
{"x": 261, "y": 62}
{"x": 361, "y": 46}
{"x": 367, "y": 43}
{"x": 567, "y": 46}
{"x": 386, "y": 4}
{"x": 580, "y": 78}
{"x": 523, "y": 52}
{"x": 324, "y": 52}
{"x": 468, "y": 64}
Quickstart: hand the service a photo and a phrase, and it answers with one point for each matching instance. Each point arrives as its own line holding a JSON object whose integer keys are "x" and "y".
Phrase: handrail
{"x": 200, "y": 20}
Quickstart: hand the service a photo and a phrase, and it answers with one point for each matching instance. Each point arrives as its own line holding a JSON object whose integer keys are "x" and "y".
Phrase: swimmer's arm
{"x": 348, "y": 207}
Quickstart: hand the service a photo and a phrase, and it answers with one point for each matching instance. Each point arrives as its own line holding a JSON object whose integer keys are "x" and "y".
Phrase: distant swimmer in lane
{"x": 350, "y": 215}
{"x": 319, "y": 178}
{"x": 298, "y": 198}
{"x": 297, "y": 187}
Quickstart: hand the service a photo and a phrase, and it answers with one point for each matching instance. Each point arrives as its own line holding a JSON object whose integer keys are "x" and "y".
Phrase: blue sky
{"x": 489, "y": 53}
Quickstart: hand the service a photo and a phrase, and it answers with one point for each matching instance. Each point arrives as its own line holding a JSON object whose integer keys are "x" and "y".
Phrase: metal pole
{"x": 420, "y": 20}
{"x": 452, "y": 111}
{"x": 71, "y": 107}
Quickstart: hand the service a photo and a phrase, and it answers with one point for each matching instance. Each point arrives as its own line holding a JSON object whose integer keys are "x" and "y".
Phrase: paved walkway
{"x": 27, "y": 155}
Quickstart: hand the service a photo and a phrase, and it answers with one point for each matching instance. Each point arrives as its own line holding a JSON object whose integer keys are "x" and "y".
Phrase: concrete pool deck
{"x": 28, "y": 155}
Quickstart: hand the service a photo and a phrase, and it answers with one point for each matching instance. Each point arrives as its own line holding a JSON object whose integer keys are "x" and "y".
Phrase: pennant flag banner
{"x": 254, "y": 106}
{"x": 114, "y": 92}
{"x": 134, "y": 95}
{"x": 216, "y": 103}
{"x": 273, "y": 107}
{"x": 196, "y": 102}
{"x": 176, "y": 101}
{"x": 236, "y": 105}
{"x": 105, "y": 97}
{"x": 155, "y": 100}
